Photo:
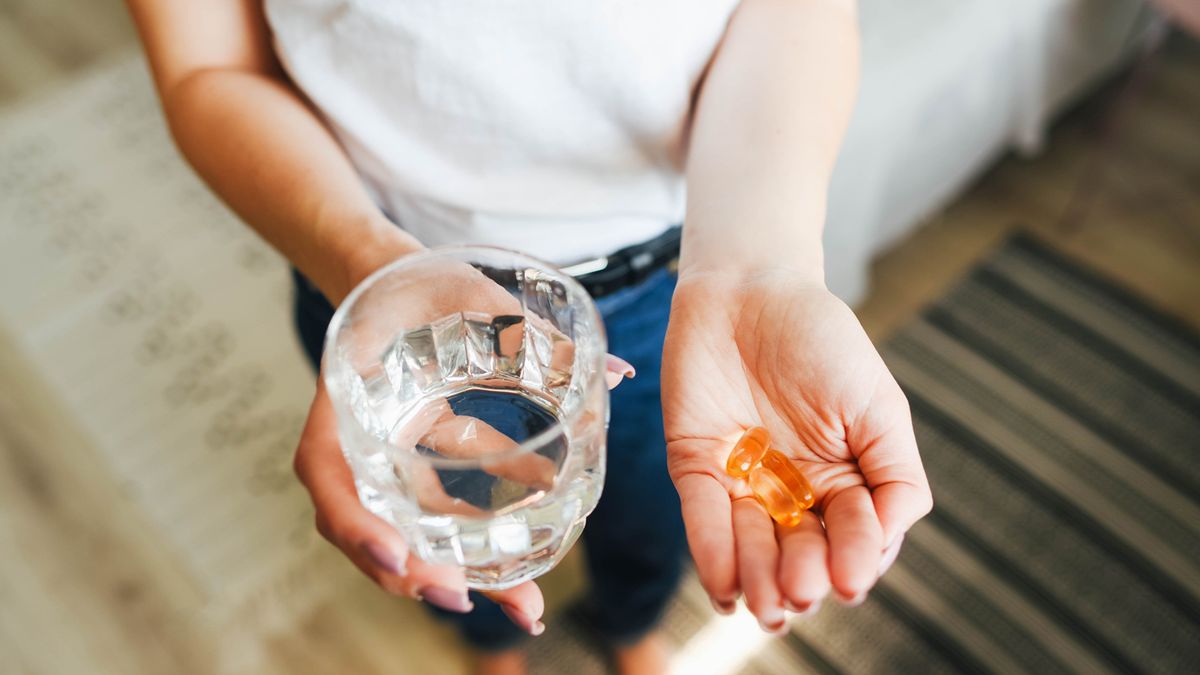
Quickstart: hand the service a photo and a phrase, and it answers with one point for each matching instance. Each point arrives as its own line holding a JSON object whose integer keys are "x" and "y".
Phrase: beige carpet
{"x": 155, "y": 324}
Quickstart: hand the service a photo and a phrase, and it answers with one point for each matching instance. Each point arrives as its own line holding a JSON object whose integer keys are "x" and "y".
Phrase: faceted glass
{"x": 472, "y": 409}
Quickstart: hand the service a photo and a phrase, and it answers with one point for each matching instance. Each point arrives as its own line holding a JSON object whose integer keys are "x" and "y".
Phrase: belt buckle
{"x": 579, "y": 269}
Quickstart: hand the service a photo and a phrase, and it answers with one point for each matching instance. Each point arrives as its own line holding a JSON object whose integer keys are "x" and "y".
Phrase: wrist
{"x": 747, "y": 282}
{"x": 379, "y": 244}
{"x": 806, "y": 272}
{"x": 805, "y": 268}
{"x": 755, "y": 238}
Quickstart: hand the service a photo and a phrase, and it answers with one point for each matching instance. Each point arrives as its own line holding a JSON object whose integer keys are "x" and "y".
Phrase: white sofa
{"x": 947, "y": 87}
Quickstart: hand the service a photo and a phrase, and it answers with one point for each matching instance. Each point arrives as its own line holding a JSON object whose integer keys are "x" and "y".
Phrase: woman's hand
{"x": 372, "y": 544}
{"x": 774, "y": 350}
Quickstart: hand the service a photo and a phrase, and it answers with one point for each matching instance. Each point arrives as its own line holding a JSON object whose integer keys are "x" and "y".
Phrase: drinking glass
{"x": 471, "y": 406}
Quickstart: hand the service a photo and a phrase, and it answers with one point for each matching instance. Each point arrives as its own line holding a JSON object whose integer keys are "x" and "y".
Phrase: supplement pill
{"x": 777, "y": 484}
{"x": 747, "y": 452}
{"x": 791, "y": 478}
{"x": 783, "y": 507}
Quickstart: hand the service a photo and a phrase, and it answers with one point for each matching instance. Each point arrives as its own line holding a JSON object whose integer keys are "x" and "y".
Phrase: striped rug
{"x": 1059, "y": 421}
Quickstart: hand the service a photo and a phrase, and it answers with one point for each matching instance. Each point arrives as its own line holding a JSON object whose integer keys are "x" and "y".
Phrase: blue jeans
{"x": 634, "y": 540}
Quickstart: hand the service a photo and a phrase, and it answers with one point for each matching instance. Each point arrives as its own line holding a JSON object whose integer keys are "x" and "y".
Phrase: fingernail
{"x": 384, "y": 558}
{"x": 794, "y": 608}
{"x": 775, "y": 628}
{"x": 803, "y": 611}
{"x": 851, "y": 601}
{"x": 772, "y": 620}
{"x": 889, "y": 555}
{"x": 812, "y": 610}
{"x": 620, "y": 366}
{"x": 527, "y": 623}
{"x": 723, "y": 607}
{"x": 451, "y": 601}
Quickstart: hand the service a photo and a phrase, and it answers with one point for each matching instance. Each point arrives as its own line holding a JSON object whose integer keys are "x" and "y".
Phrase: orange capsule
{"x": 747, "y": 452}
{"x": 780, "y": 487}
{"x": 781, "y": 504}
{"x": 790, "y": 476}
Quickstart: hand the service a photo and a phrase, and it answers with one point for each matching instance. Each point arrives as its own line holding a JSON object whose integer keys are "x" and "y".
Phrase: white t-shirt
{"x": 556, "y": 127}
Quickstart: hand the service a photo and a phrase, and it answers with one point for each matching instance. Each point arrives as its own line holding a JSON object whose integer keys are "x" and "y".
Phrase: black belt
{"x": 628, "y": 266}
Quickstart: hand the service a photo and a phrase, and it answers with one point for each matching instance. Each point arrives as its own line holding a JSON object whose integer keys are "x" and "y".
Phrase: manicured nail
{"x": 851, "y": 601}
{"x": 794, "y": 608}
{"x": 889, "y": 555}
{"x": 775, "y": 628}
{"x": 620, "y": 366}
{"x": 724, "y": 607}
{"x": 384, "y": 558}
{"x": 803, "y": 611}
{"x": 772, "y": 620}
{"x": 527, "y": 623}
{"x": 451, "y": 601}
{"x": 811, "y": 611}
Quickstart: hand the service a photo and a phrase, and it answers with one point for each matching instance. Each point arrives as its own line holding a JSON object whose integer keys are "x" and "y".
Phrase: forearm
{"x": 274, "y": 163}
{"x": 769, "y": 120}
{"x": 255, "y": 141}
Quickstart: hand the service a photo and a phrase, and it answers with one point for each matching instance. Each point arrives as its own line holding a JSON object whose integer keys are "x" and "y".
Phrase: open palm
{"x": 775, "y": 352}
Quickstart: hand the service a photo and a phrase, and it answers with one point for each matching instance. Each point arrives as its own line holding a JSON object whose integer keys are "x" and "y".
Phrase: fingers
{"x": 617, "y": 369}
{"x": 900, "y": 505}
{"x": 431, "y": 496}
{"x": 708, "y": 520}
{"x": 524, "y": 605}
{"x": 758, "y": 563}
{"x": 372, "y": 544}
{"x": 891, "y": 464}
{"x": 463, "y": 436}
{"x": 855, "y": 543}
{"x": 530, "y": 469}
{"x": 890, "y": 554}
{"x": 803, "y": 563}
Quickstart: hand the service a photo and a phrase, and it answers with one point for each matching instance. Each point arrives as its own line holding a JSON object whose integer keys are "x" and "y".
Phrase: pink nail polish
{"x": 811, "y": 611}
{"x": 852, "y": 601}
{"x": 723, "y": 608}
{"x": 620, "y": 366}
{"x": 524, "y": 621}
{"x": 774, "y": 621}
{"x": 384, "y": 558}
{"x": 889, "y": 555}
{"x": 775, "y": 628}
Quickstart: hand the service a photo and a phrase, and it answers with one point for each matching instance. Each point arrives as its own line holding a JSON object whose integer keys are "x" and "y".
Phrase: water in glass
{"x": 481, "y": 436}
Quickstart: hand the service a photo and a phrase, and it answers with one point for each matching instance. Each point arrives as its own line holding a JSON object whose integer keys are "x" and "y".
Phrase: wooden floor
{"x": 1118, "y": 187}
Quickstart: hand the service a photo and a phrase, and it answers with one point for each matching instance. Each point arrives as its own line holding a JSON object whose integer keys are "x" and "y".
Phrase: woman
{"x": 571, "y": 130}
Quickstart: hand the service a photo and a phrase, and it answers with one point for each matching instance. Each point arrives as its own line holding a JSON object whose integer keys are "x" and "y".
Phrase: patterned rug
{"x": 1059, "y": 421}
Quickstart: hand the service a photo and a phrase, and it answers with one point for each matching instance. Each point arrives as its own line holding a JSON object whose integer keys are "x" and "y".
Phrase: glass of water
{"x": 472, "y": 408}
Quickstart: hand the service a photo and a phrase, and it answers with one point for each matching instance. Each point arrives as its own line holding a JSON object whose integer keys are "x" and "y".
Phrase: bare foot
{"x": 508, "y": 662}
{"x": 648, "y": 656}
